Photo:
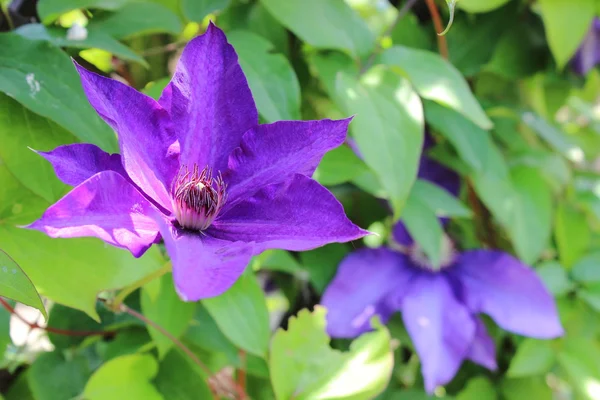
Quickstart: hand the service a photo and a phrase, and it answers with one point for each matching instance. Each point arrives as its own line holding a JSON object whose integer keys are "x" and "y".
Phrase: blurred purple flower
{"x": 197, "y": 170}
{"x": 440, "y": 307}
{"x": 588, "y": 54}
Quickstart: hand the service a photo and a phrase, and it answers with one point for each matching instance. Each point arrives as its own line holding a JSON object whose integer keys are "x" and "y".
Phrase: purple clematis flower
{"x": 440, "y": 307}
{"x": 197, "y": 170}
{"x": 588, "y": 54}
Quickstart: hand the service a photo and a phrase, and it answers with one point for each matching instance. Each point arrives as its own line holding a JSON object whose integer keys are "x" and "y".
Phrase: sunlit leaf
{"x": 15, "y": 285}
{"x": 533, "y": 357}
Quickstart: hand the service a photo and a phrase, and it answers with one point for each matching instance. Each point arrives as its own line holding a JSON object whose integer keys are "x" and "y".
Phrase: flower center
{"x": 197, "y": 198}
{"x": 420, "y": 259}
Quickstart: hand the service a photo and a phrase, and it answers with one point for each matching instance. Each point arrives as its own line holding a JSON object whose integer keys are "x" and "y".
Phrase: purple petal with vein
{"x": 209, "y": 101}
{"x": 510, "y": 292}
{"x": 298, "y": 215}
{"x": 143, "y": 126}
{"x": 75, "y": 163}
{"x": 360, "y": 290}
{"x": 105, "y": 206}
{"x": 202, "y": 265}
{"x": 273, "y": 153}
{"x": 440, "y": 327}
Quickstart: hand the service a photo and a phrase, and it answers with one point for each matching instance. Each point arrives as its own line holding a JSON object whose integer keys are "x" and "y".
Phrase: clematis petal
{"x": 360, "y": 290}
{"x": 202, "y": 265}
{"x": 435, "y": 172}
{"x": 143, "y": 126}
{"x": 498, "y": 284}
{"x": 75, "y": 163}
{"x": 209, "y": 101}
{"x": 273, "y": 153}
{"x": 440, "y": 327}
{"x": 105, "y": 206}
{"x": 298, "y": 215}
{"x": 483, "y": 349}
{"x": 588, "y": 54}
{"x": 401, "y": 234}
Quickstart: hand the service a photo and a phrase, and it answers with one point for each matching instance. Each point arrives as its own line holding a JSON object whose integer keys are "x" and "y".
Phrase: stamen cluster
{"x": 197, "y": 198}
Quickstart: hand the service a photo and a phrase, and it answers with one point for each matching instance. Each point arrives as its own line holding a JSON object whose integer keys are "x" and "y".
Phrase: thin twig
{"x": 241, "y": 372}
{"x": 439, "y": 27}
{"x": 58, "y": 331}
{"x": 401, "y": 13}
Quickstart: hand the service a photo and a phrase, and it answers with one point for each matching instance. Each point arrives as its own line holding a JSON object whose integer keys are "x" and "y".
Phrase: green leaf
{"x": 124, "y": 377}
{"x": 204, "y": 333}
{"x": 197, "y": 10}
{"x": 129, "y": 341}
{"x": 555, "y": 278}
{"x": 579, "y": 360}
{"x": 526, "y": 388}
{"x": 338, "y": 166}
{"x": 276, "y": 260}
{"x": 5, "y": 339}
{"x": 271, "y": 78}
{"x": 54, "y": 377}
{"x": 424, "y": 226}
{"x": 388, "y": 128}
{"x": 591, "y": 295}
{"x": 231, "y": 312}
{"x": 179, "y": 379}
{"x": 436, "y": 79}
{"x": 321, "y": 263}
{"x": 43, "y": 79}
{"x": 566, "y": 23}
{"x": 529, "y": 221}
{"x": 553, "y": 136}
{"x": 49, "y": 10}
{"x": 95, "y": 39}
{"x": 586, "y": 269}
{"x": 69, "y": 271}
{"x": 533, "y": 357}
{"x": 17, "y": 286}
{"x": 572, "y": 234}
{"x": 22, "y": 130}
{"x": 327, "y": 24}
{"x": 479, "y": 388}
{"x": 161, "y": 304}
{"x": 409, "y": 33}
{"x": 438, "y": 200}
{"x": 135, "y": 19}
{"x": 303, "y": 366}
{"x": 480, "y": 6}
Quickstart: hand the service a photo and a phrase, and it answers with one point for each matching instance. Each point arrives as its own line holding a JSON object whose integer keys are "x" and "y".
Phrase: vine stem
{"x": 439, "y": 27}
{"x": 58, "y": 331}
{"x": 401, "y": 13}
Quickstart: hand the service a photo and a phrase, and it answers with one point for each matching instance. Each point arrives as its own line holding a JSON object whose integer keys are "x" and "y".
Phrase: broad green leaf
{"x": 271, "y": 78}
{"x": 277, "y": 260}
{"x": 128, "y": 341}
{"x": 54, "y": 377}
{"x": 479, "y": 388}
{"x": 438, "y": 200}
{"x": 470, "y": 141}
{"x": 69, "y": 271}
{"x": 231, "y": 312}
{"x": 15, "y": 285}
{"x": 554, "y": 167}
{"x": 127, "y": 377}
{"x": 197, "y": 10}
{"x": 555, "y": 278}
{"x": 436, "y": 79}
{"x": 20, "y": 131}
{"x": 154, "y": 89}
{"x": 554, "y": 137}
{"x": 161, "y": 304}
{"x": 480, "y": 6}
{"x": 43, "y": 79}
{"x": 260, "y": 21}
{"x": 579, "y": 360}
{"x": 321, "y": 263}
{"x": 179, "y": 379}
{"x": 587, "y": 269}
{"x": 566, "y": 23}
{"x": 424, "y": 226}
{"x": 98, "y": 39}
{"x": 529, "y": 221}
{"x": 137, "y": 18}
{"x": 526, "y": 388}
{"x": 572, "y": 234}
{"x": 591, "y": 295}
{"x": 338, "y": 166}
{"x": 327, "y": 24}
{"x": 303, "y": 366}
{"x": 49, "y": 10}
{"x": 388, "y": 128}
{"x": 327, "y": 66}
{"x": 533, "y": 357}
{"x": 408, "y": 32}
{"x": 5, "y": 339}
